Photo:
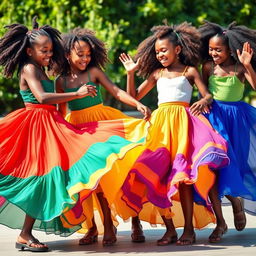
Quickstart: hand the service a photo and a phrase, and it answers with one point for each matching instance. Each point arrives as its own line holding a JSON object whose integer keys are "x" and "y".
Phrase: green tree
{"x": 122, "y": 24}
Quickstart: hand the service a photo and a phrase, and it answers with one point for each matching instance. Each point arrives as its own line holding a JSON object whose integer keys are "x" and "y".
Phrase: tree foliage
{"x": 122, "y": 24}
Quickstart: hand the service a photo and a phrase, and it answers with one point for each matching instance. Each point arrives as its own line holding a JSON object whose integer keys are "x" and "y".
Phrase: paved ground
{"x": 234, "y": 243}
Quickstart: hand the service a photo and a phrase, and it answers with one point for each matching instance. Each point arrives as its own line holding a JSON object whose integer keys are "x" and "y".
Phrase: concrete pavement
{"x": 234, "y": 243}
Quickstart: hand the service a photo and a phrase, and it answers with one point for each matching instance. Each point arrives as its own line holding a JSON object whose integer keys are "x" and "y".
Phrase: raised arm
{"x": 131, "y": 67}
{"x": 245, "y": 59}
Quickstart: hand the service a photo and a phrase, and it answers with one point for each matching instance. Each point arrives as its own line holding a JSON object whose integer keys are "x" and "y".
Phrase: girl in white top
{"x": 182, "y": 147}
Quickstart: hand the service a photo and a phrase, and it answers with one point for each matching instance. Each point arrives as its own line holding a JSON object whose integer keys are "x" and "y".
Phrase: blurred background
{"x": 122, "y": 25}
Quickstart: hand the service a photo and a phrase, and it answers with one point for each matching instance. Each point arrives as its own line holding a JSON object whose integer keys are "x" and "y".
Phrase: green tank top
{"x": 226, "y": 88}
{"x": 28, "y": 96}
{"x": 85, "y": 102}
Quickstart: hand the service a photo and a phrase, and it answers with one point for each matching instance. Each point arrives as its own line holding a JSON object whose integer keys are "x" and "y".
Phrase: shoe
{"x": 137, "y": 235}
{"x": 89, "y": 239}
{"x": 217, "y": 234}
{"x": 167, "y": 240}
{"x": 240, "y": 217}
{"x": 27, "y": 246}
{"x": 187, "y": 241}
{"x": 111, "y": 241}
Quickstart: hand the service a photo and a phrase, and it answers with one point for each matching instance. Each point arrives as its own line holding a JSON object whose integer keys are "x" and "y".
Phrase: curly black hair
{"x": 99, "y": 57}
{"x": 183, "y": 34}
{"x": 233, "y": 36}
{"x": 18, "y": 38}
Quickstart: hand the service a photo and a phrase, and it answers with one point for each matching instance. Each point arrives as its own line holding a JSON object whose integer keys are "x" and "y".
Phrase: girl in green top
{"x": 229, "y": 61}
{"x": 86, "y": 57}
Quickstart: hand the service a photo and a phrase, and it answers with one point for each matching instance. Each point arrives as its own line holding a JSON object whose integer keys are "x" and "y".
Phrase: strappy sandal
{"x": 167, "y": 240}
{"x": 28, "y": 246}
{"x": 240, "y": 217}
{"x": 187, "y": 241}
{"x": 89, "y": 239}
{"x": 217, "y": 234}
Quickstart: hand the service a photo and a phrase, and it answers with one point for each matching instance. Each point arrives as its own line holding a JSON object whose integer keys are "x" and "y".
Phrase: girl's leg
{"x": 170, "y": 235}
{"x": 27, "y": 240}
{"x": 238, "y": 211}
{"x": 91, "y": 236}
{"x": 109, "y": 237}
{"x": 186, "y": 197}
{"x": 221, "y": 227}
{"x": 137, "y": 231}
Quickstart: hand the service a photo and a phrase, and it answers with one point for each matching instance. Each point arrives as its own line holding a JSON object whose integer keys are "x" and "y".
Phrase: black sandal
{"x": 27, "y": 246}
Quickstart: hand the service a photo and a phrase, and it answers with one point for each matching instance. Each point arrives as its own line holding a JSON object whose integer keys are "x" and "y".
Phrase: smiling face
{"x": 80, "y": 56}
{"x": 166, "y": 52}
{"x": 41, "y": 51}
{"x": 218, "y": 50}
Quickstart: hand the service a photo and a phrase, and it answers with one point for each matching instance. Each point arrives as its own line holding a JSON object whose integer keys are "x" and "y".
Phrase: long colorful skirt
{"x": 236, "y": 122}
{"x": 179, "y": 148}
{"x": 111, "y": 183}
{"x": 45, "y": 162}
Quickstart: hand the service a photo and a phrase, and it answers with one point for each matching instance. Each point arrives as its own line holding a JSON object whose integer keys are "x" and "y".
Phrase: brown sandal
{"x": 187, "y": 241}
{"x": 111, "y": 241}
{"x": 217, "y": 234}
{"x": 240, "y": 217}
{"x": 137, "y": 235}
{"x": 167, "y": 240}
{"x": 89, "y": 239}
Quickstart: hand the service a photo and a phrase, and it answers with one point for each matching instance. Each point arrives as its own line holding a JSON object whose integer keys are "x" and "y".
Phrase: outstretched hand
{"x": 144, "y": 110}
{"x": 246, "y": 55}
{"x": 87, "y": 90}
{"x": 128, "y": 62}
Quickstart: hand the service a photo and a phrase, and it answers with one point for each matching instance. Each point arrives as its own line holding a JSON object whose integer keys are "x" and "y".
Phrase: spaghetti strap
{"x": 89, "y": 76}
{"x": 185, "y": 70}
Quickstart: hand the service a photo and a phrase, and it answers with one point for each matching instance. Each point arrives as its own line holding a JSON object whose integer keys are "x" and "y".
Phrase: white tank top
{"x": 174, "y": 89}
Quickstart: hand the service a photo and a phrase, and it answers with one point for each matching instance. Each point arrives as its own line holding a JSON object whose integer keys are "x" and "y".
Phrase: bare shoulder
{"x": 207, "y": 67}
{"x": 31, "y": 71}
{"x": 96, "y": 74}
{"x": 95, "y": 71}
{"x": 192, "y": 71}
{"x": 155, "y": 75}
